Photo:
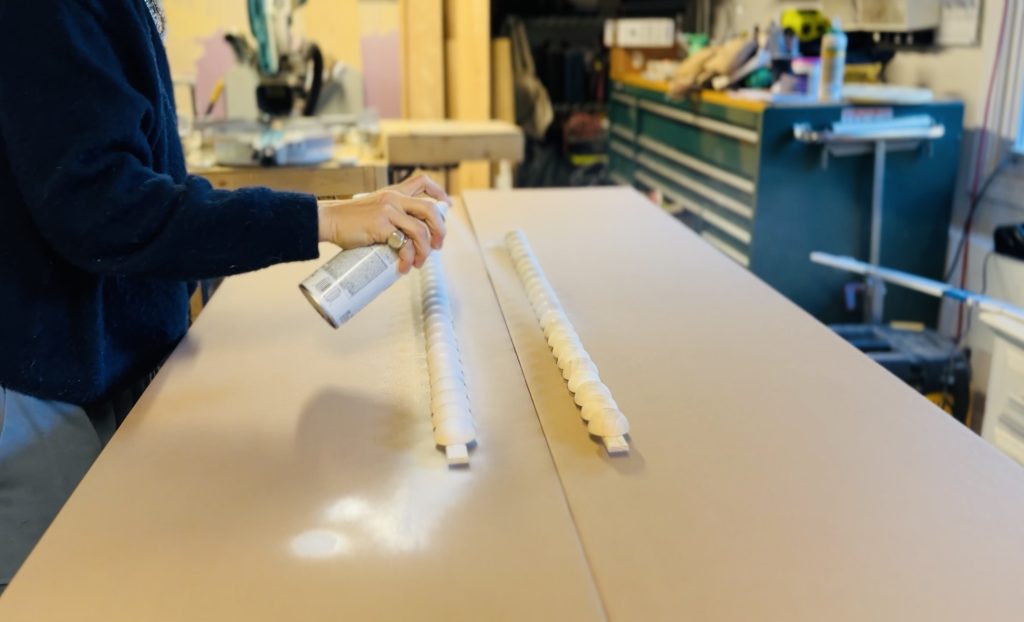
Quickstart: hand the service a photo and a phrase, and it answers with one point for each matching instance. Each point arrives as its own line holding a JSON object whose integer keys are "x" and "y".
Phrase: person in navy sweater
{"x": 102, "y": 230}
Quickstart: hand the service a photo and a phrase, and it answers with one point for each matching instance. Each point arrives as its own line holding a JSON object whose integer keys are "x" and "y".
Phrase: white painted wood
{"x": 604, "y": 420}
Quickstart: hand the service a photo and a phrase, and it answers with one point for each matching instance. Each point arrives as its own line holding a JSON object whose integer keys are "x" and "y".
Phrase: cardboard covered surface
{"x": 278, "y": 469}
{"x": 775, "y": 472}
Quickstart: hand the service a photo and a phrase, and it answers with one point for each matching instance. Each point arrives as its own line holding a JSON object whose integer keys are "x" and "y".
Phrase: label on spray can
{"x": 348, "y": 282}
{"x": 351, "y": 280}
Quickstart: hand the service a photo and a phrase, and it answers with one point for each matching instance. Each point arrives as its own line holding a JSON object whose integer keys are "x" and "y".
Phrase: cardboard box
{"x": 646, "y": 32}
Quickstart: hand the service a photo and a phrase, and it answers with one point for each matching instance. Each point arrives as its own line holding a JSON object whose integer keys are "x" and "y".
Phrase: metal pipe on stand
{"x": 931, "y": 287}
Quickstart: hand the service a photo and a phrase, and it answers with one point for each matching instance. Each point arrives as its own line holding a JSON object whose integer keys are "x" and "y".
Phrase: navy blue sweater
{"x": 101, "y": 227}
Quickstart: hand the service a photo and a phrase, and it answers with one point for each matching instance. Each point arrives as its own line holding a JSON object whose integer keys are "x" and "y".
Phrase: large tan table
{"x": 281, "y": 470}
{"x": 776, "y": 473}
{"x": 278, "y": 469}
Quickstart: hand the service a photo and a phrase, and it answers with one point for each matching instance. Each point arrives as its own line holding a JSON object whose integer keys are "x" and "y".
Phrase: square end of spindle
{"x": 458, "y": 455}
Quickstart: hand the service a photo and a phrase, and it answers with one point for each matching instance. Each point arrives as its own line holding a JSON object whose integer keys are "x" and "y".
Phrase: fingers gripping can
{"x": 352, "y": 279}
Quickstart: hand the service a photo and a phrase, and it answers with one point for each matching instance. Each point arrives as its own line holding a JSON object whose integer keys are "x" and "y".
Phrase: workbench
{"x": 444, "y": 142}
{"x": 277, "y": 469}
{"x": 353, "y": 171}
{"x": 402, "y": 145}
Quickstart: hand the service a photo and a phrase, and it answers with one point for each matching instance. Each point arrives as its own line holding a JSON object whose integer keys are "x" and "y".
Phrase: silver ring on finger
{"x": 397, "y": 239}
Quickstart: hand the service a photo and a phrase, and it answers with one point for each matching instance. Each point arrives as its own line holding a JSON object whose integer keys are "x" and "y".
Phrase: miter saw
{"x": 292, "y": 91}
{"x": 290, "y": 79}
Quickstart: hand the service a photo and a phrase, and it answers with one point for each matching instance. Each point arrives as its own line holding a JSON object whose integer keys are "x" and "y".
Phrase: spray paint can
{"x": 352, "y": 279}
{"x": 833, "y": 63}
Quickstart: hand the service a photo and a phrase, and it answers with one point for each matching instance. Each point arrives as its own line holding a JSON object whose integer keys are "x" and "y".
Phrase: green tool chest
{"x": 740, "y": 178}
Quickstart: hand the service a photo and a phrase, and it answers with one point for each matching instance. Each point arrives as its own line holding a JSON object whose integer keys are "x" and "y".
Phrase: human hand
{"x": 372, "y": 218}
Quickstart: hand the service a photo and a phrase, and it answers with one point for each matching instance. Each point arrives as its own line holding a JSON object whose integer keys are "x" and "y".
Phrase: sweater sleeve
{"x": 77, "y": 135}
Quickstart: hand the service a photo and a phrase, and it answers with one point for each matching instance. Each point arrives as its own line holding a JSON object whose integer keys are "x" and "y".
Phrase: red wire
{"x": 978, "y": 157}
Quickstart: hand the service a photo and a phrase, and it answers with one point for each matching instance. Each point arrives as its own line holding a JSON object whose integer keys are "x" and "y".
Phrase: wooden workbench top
{"x": 707, "y": 95}
{"x": 403, "y": 143}
{"x": 441, "y": 142}
{"x": 754, "y": 100}
{"x": 354, "y": 170}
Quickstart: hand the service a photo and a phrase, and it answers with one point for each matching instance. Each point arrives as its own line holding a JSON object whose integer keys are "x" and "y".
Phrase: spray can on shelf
{"x": 353, "y": 278}
{"x": 833, "y": 63}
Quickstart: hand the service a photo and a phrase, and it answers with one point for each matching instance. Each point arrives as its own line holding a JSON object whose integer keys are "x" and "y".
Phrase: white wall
{"x": 962, "y": 73}
{"x": 334, "y": 24}
{"x": 957, "y": 72}
{"x": 732, "y": 17}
